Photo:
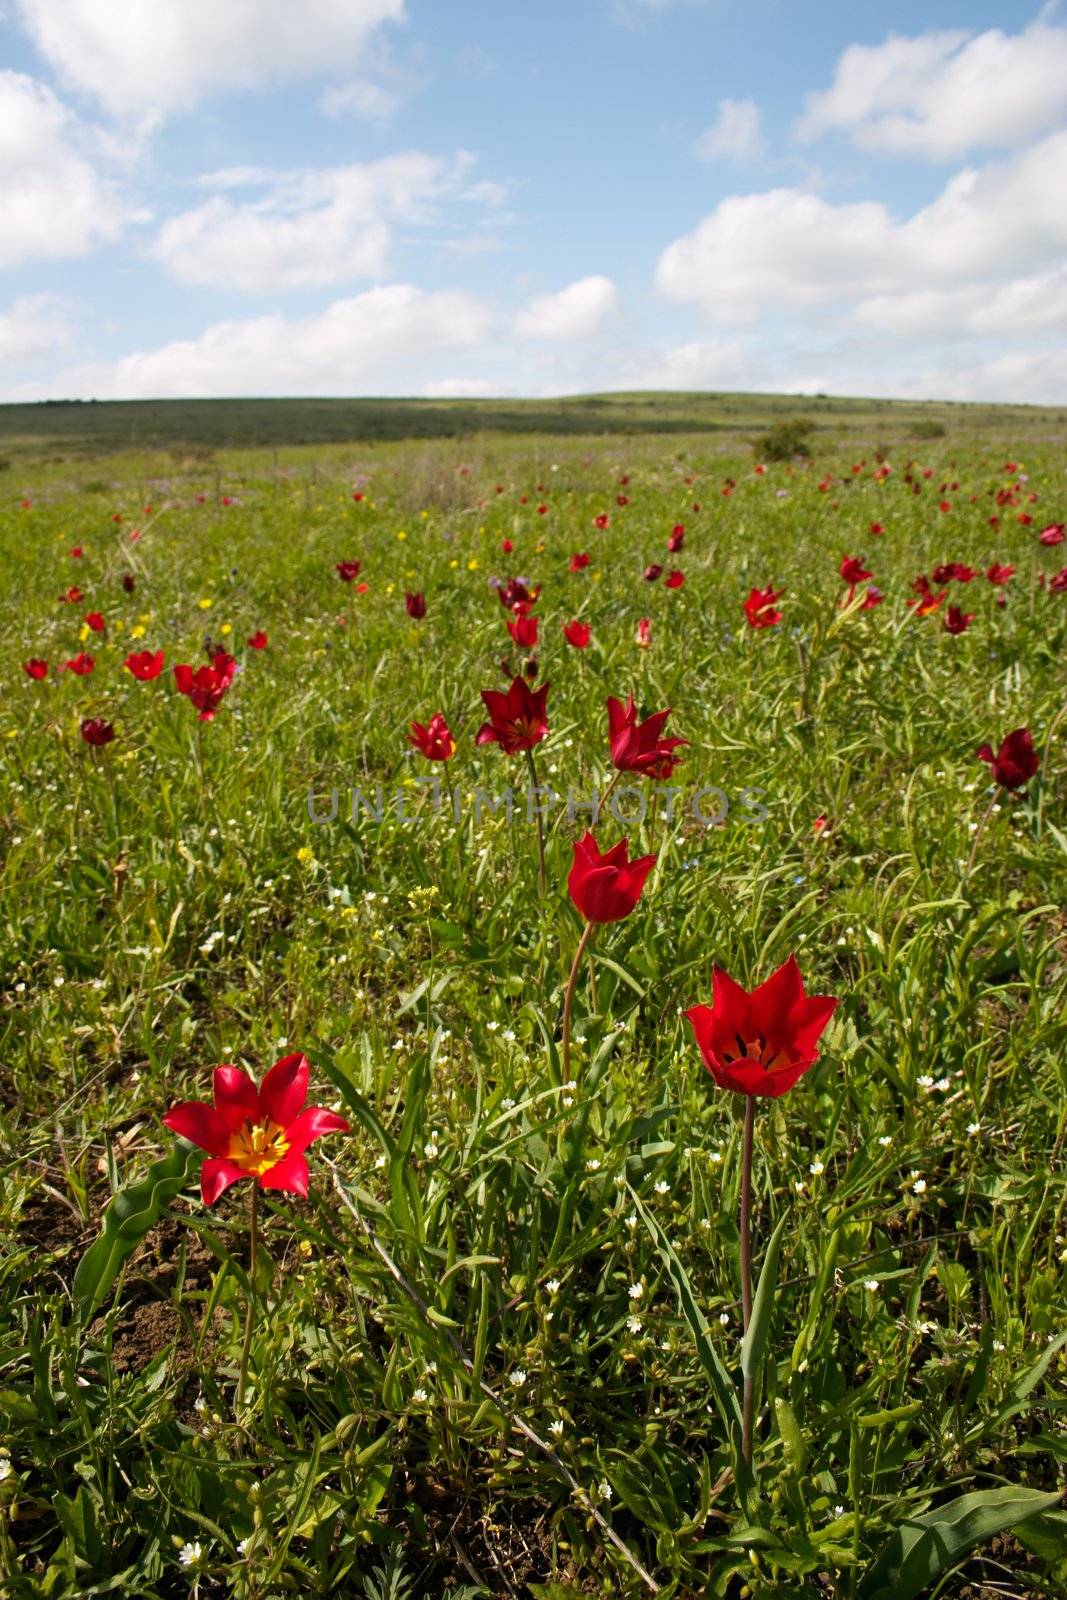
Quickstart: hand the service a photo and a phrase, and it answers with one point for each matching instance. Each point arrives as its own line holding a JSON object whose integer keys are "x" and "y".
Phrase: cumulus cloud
{"x": 735, "y": 134}
{"x": 941, "y": 94}
{"x": 308, "y": 229}
{"x": 787, "y": 249}
{"x": 53, "y": 202}
{"x": 458, "y": 389}
{"x": 156, "y": 56}
{"x": 576, "y": 312}
{"x": 34, "y": 326}
{"x": 379, "y": 341}
{"x": 361, "y": 97}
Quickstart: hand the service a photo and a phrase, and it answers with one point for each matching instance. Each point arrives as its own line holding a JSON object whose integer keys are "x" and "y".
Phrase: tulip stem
{"x": 606, "y": 796}
{"x": 542, "y": 876}
{"x": 746, "y": 1264}
{"x": 587, "y": 934}
{"x": 253, "y": 1251}
{"x": 978, "y": 832}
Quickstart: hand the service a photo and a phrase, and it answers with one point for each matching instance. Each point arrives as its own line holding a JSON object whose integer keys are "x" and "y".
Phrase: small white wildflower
{"x": 724, "y": 1319}
{"x": 517, "y": 1378}
{"x": 926, "y": 1328}
{"x": 661, "y": 1187}
{"x": 943, "y": 1084}
{"x": 925, "y": 1081}
{"x": 839, "y": 1511}
{"x": 998, "y": 1344}
{"x": 715, "y": 1156}
{"x": 557, "y": 1427}
{"x": 492, "y": 1026}
{"x": 634, "y": 1324}
{"x": 885, "y": 1140}
{"x": 431, "y": 1151}
{"x": 816, "y": 1168}
{"x": 871, "y": 1285}
{"x": 604, "y": 1489}
{"x": 199, "y": 1404}
{"x": 631, "y": 1220}
{"x": 190, "y": 1553}
{"x": 507, "y": 1104}
{"x": 919, "y": 1186}
{"x": 419, "y": 1395}
{"x": 243, "y": 1544}
{"x": 593, "y": 1164}
{"x": 974, "y": 1128}
{"x": 509, "y": 1035}
{"x": 635, "y": 1291}
{"x": 5, "y": 1469}
{"x": 552, "y": 1286}
{"x": 569, "y": 1088}
{"x": 381, "y": 1160}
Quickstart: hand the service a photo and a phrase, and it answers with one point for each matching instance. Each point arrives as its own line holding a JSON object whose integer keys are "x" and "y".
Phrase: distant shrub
{"x": 96, "y": 486}
{"x": 784, "y": 440}
{"x": 927, "y": 428}
{"x": 4, "y": 463}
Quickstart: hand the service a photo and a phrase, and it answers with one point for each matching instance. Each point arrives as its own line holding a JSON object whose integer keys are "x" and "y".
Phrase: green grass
{"x": 168, "y": 904}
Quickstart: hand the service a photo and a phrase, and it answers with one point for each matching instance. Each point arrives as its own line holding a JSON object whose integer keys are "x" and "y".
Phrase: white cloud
{"x": 379, "y": 341}
{"x": 308, "y": 229}
{"x": 576, "y": 312}
{"x": 361, "y": 98}
{"x": 941, "y": 94}
{"x": 34, "y": 326}
{"x": 458, "y": 389}
{"x": 155, "y": 56}
{"x": 785, "y": 249}
{"x": 735, "y": 135}
{"x": 52, "y": 200}
{"x": 1023, "y": 306}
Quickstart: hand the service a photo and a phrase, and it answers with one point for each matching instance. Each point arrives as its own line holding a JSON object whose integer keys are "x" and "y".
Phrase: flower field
{"x": 410, "y": 1188}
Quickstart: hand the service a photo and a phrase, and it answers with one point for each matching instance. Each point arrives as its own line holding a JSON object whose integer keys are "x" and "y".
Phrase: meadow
{"x": 506, "y": 1344}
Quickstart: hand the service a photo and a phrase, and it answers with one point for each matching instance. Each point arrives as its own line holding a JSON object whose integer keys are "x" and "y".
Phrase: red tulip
{"x": 347, "y": 570}
{"x": 1053, "y": 534}
{"x": 35, "y": 668}
{"x": 877, "y": 528}
{"x": 674, "y": 580}
{"x": 643, "y": 636}
{"x": 639, "y": 748}
{"x": 97, "y": 731}
{"x": 515, "y": 596}
{"x": 1015, "y": 762}
{"x": 435, "y": 740}
{"x": 577, "y": 634}
{"x": 852, "y": 570}
{"x": 602, "y": 521}
{"x": 255, "y": 1133}
{"x": 579, "y": 559}
{"x": 652, "y": 572}
{"x": 73, "y": 595}
{"x": 129, "y": 583}
{"x": 96, "y": 622}
{"x": 258, "y": 641}
{"x": 760, "y": 1043}
{"x": 145, "y": 665}
{"x": 524, "y": 632}
{"x": 957, "y": 621}
{"x": 416, "y": 605}
{"x": 676, "y": 538}
{"x": 518, "y": 720}
{"x": 81, "y": 664}
{"x": 998, "y": 574}
{"x": 76, "y": 553}
{"x": 206, "y": 686}
{"x": 759, "y": 608}
{"x": 1058, "y": 583}
{"x": 606, "y": 888}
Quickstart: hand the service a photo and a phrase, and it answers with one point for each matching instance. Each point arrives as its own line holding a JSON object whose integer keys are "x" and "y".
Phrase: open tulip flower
{"x": 760, "y": 1043}
{"x": 207, "y": 686}
{"x": 638, "y": 747}
{"x": 145, "y": 665}
{"x": 255, "y": 1133}
{"x": 606, "y": 888}
{"x": 435, "y": 740}
{"x": 518, "y": 719}
{"x": 35, "y": 668}
{"x": 760, "y": 607}
{"x": 1015, "y": 762}
{"x": 577, "y": 634}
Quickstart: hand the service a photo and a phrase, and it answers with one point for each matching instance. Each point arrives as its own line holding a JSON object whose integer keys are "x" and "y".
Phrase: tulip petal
{"x": 311, "y": 1124}
{"x": 216, "y": 1177}
{"x": 774, "y": 999}
{"x": 290, "y": 1174}
{"x": 236, "y": 1096}
{"x": 201, "y": 1125}
{"x": 807, "y": 1021}
{"x": 284, "y": 1089}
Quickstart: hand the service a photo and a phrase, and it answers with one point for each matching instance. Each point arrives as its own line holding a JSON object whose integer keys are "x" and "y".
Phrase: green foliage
{"x": 786, "y": 440}
{"x": 572, "y": 1251}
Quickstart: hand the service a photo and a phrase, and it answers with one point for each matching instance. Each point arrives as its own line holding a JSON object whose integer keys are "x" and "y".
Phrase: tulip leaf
{"x": 723, "y": 1387}
{"x": 754, "y": 1344}
{"x": 925, "y": 1547}
{"x": 131, "y": 1212}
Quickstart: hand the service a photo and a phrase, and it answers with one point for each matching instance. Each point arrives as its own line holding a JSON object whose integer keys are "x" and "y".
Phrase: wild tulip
{"x": 97, "y": 731}
{"x": 81, "y": 664}
{"x": 1051, "y": 535}
{"x": 72, "y": 596}
{"x": 1015, "y": 763}
{"x": 579, "y": 559}
{"x": 518, "y": 721}
{"x": 348, "y": 570}
{"x": 853, "y": 571}
{"x": 258, "y": 640}
{"x": 524, "y": 632}
{"x": 577, "y": 634}
{"x": 435, "y": 740}
{"x": 652, "y": 572}
{"x": 415, "y": 605}
{"x": 129, "y": 582}
{"x": 999, "y": 574}
{"x": 676, "y": 538}
{"x": 76, "y": 553}
{"x": 258, "y": 1133}
{"x": 35, "y": 668}
{"x": 643, "y": 636}
{"x": 1058, "y": 583}
{"x": 96, "y": 622}
{"x": 872, "y": 598}
{"x": 958, "y": 621}
{"x": 760, "y": 608}
{"x": 758, "y": 1045}
{"x": 674, "y": 580}
{"x": 605, "y": 888}
{"x": 639, "y": 747}
{"x": 145, "y": 665}
{"x": 207, "y": 686}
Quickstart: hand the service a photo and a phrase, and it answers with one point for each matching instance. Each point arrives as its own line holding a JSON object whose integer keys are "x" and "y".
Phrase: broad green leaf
{"x": 925, "y": 1547}
{"x": 754, "y": 1344}
{"x": 129, "y": 1215}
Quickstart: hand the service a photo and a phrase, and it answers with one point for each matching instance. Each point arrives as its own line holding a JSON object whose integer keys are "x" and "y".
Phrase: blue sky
{"x": 222, "y": 197}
